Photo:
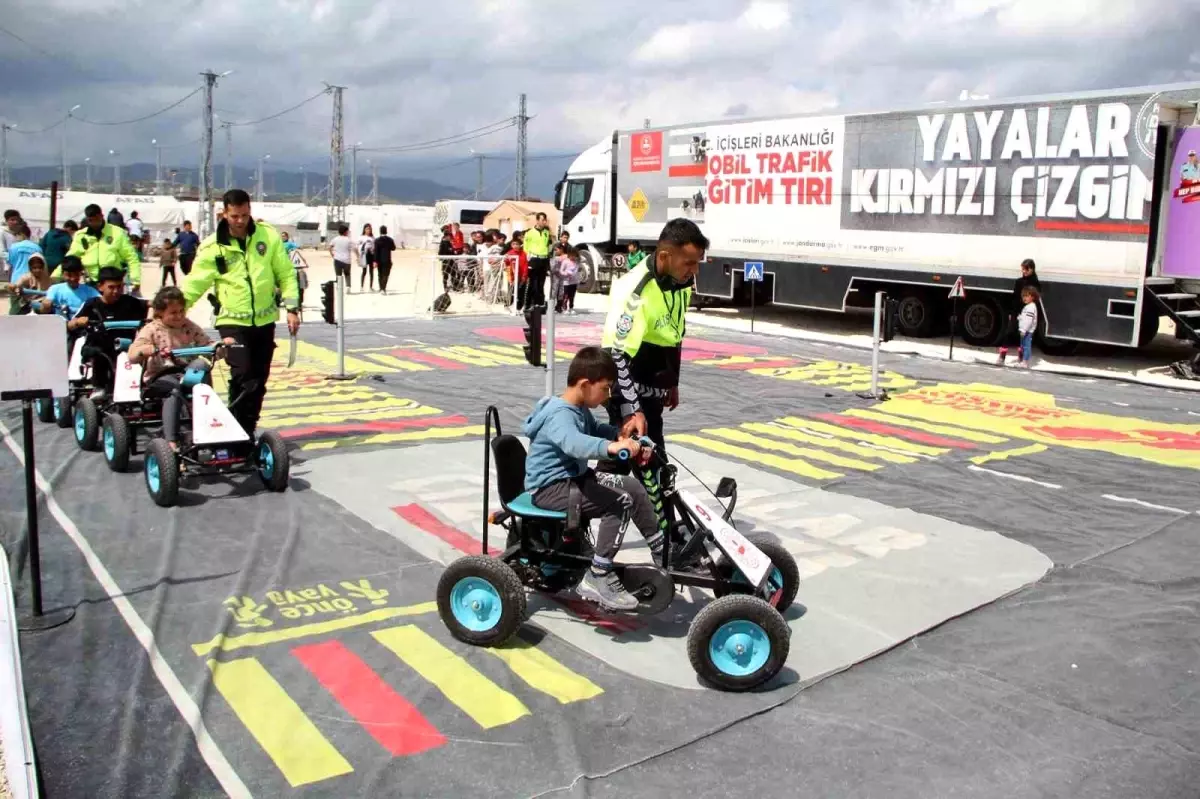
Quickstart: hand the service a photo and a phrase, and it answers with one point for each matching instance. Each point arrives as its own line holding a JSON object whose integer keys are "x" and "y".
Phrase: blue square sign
{"x": 753, "y": 270}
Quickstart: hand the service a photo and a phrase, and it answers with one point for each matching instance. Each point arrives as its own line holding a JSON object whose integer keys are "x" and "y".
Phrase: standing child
{"x": 558, "y": 255}
{"x": 167, "y": 260}
{"x": 569, "y": 268}
{"x": 1026, "y": 324}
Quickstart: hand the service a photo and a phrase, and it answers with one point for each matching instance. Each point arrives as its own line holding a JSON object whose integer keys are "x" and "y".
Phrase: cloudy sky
{"x": 417, "y": 72}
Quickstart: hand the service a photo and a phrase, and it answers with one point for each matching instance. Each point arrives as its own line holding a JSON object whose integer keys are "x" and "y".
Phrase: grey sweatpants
{"x": 613, "y": 498}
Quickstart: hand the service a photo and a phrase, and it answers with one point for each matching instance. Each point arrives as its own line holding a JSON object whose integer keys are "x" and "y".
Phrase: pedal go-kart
{"x": 64, "y": 411}
{"x": 91, "y": 416}
{"x": 211, "y": 440}
{"x": 736, "y": 643}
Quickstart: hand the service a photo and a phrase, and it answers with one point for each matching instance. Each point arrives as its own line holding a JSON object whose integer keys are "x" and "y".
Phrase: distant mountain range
{"x": 283, "y": 185}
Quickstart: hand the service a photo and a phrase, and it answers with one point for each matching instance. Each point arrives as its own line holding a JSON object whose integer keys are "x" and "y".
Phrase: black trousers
{"x": 652, "y": 409}
{"x": 249, "y": 370}
{"x": 385, "y": 271}
{"x": 341, "y": 269}
{"x": 185, "y": 263}
{"x": 539, "y": 269}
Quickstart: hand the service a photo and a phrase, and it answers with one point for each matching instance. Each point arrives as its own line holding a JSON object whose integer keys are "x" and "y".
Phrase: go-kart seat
{"x": 509, "y": 454}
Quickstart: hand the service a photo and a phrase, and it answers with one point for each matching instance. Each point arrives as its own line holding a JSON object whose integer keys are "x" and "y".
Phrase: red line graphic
{"x": 428, "y": 358}
{"x": 1132, "y": 228}
{"x": 888, "y": 430}
{"x": 382, "y": 426}
{"x": 688, "y": 171}
{"x": 419, "y": 517}
{"x": 388, "y": 717}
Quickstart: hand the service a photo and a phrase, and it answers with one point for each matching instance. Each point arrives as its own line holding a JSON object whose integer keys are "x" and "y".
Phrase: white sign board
{"x": 212, "y": 423}
{"x": 749, "y": 559}
{"x": 127, "y": 385}
{"x": 35, "y": 354}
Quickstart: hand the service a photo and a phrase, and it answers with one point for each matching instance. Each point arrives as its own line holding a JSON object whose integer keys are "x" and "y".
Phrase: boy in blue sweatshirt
{"x": 563, "y": 437}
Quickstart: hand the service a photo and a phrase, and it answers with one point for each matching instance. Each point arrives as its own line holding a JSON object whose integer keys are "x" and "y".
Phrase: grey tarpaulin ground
{"x": 1081, "y": 685}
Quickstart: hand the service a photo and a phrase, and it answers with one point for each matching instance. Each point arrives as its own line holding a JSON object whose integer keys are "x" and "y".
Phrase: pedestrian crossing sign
{"x": 753, "y": 271}
{"x": 957, "y": 290}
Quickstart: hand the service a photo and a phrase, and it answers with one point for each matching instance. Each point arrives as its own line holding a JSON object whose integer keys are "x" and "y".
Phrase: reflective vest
{"x": 244, "y": 280}
{"x": 111, "y": 248}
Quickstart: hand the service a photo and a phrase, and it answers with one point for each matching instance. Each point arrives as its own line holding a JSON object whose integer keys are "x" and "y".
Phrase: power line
{"x": 175, "y": 104}
{"x": 321, "y": 93}
{"x": 46, "y": 129}
{"x": 444, "y": 141}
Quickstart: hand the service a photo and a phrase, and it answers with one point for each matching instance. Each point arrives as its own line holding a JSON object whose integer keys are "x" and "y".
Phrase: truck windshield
{"x": 576, "y": 196}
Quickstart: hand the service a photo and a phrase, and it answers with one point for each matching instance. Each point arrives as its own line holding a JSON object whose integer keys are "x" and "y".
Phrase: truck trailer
{"x": 840, "y": 206}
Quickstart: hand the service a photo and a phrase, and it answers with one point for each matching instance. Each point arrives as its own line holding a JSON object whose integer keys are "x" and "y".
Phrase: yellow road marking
{"x": 474, "y": 694}
{"x": 791, "y": 449}
{"x": 328, "y": 358}
{"x": 398, "y": 363}
{"x": 928, "y": 427}
{"x": 545, "y": 673}
{"x": 754, "y": 456}
{"x": 860, "y": 435}
{"x": 287, "y": 399}
{"x": 1005, "y": 454}
{"x": 374, "y": 411}
{"x": 469, "y": 358}
{"x": 225, "y": 643}
{"x": 281, "y": 728}
{"x": 781, "y": 431}
{"x": 395, "y": 438}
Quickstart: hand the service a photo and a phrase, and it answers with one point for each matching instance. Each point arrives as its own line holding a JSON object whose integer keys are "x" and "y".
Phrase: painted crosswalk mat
{"x": 851, "y": 553}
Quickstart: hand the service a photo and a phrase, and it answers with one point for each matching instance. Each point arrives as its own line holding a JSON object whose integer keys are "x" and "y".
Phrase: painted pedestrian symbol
{"x": 956, "y": 290}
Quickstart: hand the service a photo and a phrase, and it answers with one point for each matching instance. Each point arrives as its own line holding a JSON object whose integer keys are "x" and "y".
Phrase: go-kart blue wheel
{"x": 783, "y": 581}
{"x": 63, "y": 412}
{"x": 738, "y": 642}
{"x": 271, "y": 453}
{"x": 45, "y": 409}
{"x": 115, "y": 439}
{"x": 87, "y": 425}
{"x": 481, "y": 600}
{"x": 162, "y": 473}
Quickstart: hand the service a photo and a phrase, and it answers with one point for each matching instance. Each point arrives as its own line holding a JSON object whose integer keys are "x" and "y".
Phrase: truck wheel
{"x": 1149, "y": 327}
{"x": 915, "y": 314}
{"x": 588, "y": 276}
{"x": 982, "y": 323}
{"x": 737, "y": 643}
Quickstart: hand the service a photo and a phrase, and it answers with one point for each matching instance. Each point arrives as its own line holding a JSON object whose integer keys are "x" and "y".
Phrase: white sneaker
{"x": 607, "y": 590}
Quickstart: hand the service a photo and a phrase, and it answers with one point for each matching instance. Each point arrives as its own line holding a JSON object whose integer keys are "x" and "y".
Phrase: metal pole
{"x": 953, "y": 326}
{"x": 354, "y": 175}
{"x": 341, "y": 327}
{"x": 522, "y": 146}
{"x": 549, "y": 353}
{"x": 335, "y": 194}
{"x": 87, "y": 174}
{"x": 875, "y": 337}
{"x": 4, "y": 129}
{"x": 753, "y": 283}
{"x": 258, "y": 183}
{"x": 479, "y": 182}
{"x": 304, "y": 184}
{"x": 66, "y": 183}
{"x": 206, "y": 171}
{"x": 158, "y": 181}
{"x": 31, "y": 513}
{"x": 53, "y": 204}
{"x": 228, "y": 155}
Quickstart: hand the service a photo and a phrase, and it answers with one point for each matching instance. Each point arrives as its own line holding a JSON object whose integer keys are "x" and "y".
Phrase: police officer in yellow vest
{"x": 644, "y": 333}
{"x": 98, "y": 244}
{"x": 245, "y": 261}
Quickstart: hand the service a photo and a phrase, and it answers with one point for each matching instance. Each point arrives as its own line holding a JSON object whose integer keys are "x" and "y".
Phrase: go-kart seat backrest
{"x": 509, "y": 454}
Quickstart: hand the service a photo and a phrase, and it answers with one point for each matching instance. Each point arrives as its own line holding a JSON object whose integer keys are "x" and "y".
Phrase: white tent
{"x": 160, "y": 214}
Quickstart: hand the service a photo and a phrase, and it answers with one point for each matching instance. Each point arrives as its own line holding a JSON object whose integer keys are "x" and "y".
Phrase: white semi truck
{"x": 838, "y": 207}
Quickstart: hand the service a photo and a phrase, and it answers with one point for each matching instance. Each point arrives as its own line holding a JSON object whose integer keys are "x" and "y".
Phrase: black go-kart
{"x": 77, "y": 410}
{"x": 736, "y": 643}
{"x": 212, "y": 442}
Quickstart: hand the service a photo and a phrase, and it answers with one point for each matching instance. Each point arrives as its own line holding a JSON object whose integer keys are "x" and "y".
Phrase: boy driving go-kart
{"x": 112, "y": 305}
{"x": 563, "y": 436}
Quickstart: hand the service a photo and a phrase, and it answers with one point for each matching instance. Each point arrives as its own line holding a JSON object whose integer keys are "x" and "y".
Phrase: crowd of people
{"x": 369, "y": 251}
{"x": 514, "y": 269}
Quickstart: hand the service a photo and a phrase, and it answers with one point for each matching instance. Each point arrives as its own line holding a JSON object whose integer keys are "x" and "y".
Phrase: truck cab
{"x": 585, "y": 197}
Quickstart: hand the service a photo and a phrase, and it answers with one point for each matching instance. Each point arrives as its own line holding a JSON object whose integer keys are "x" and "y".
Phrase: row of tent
{"x": 410, "y": 225}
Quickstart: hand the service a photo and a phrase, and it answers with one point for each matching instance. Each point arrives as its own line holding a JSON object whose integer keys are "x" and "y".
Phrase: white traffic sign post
{"x": 956, "y": 292}
{"x": 36, "y": 370}
{"x": 752, "y": 272}
{"x": 875, "y": 338}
